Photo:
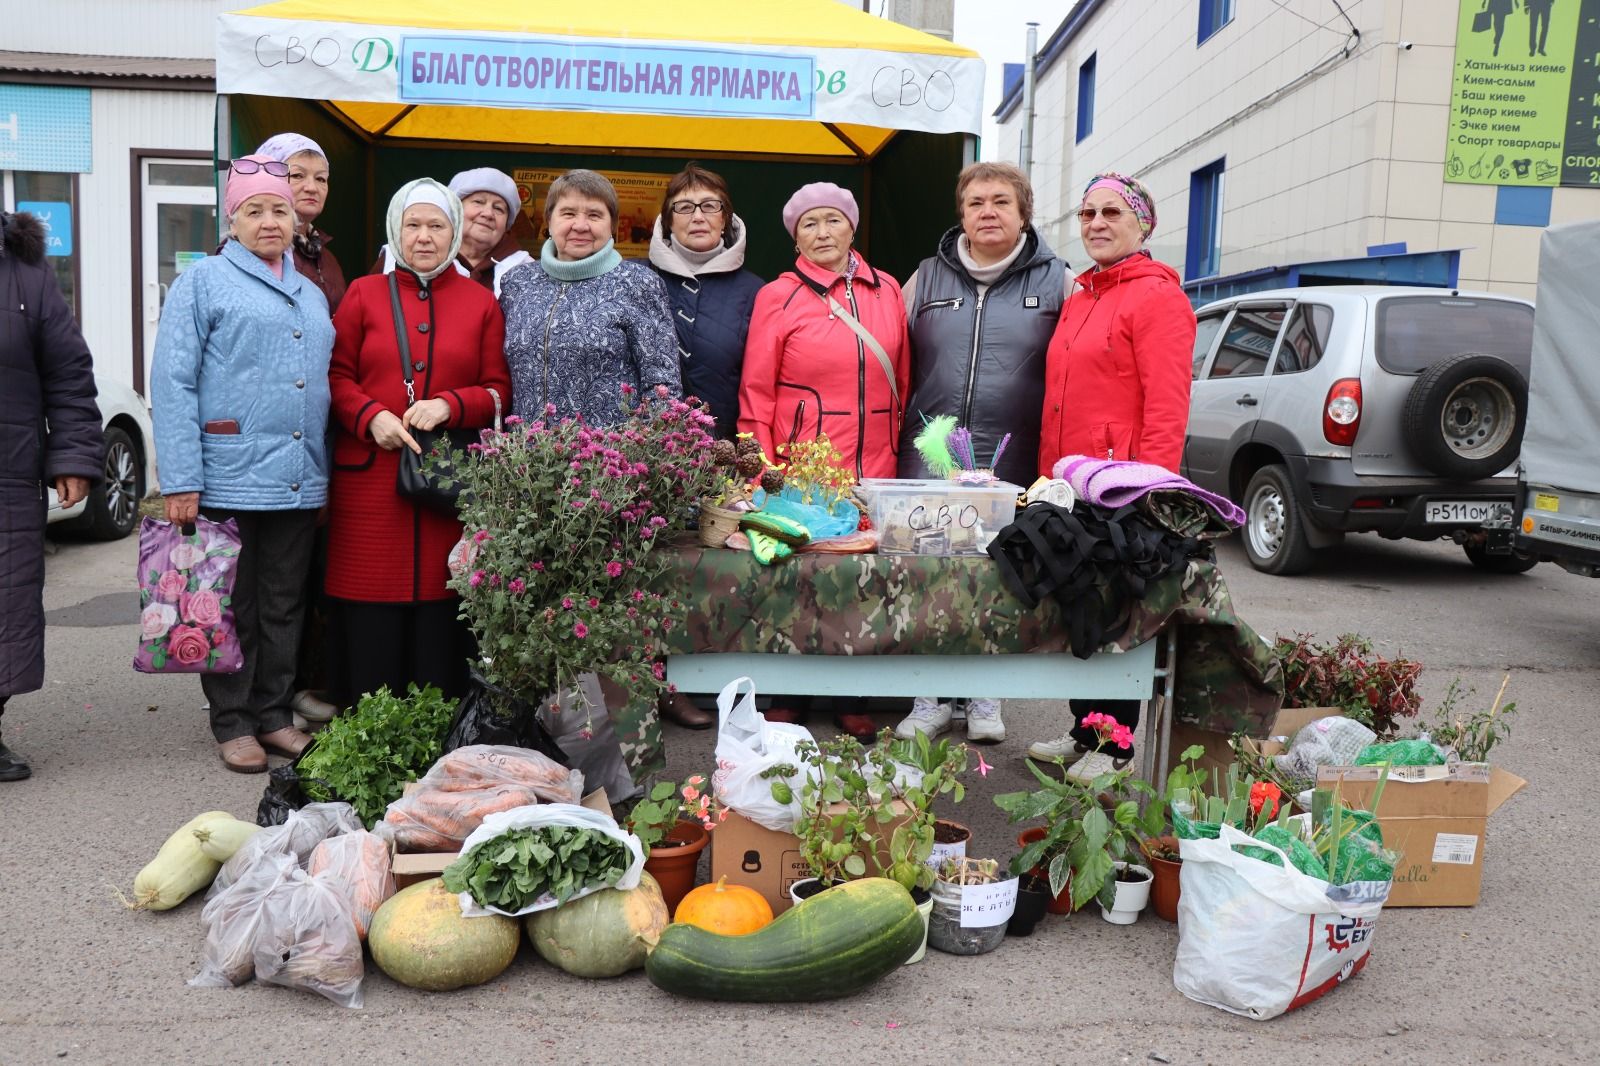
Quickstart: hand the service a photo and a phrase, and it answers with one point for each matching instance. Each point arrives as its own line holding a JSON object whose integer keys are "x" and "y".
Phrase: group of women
{"x": 280, "y": 394}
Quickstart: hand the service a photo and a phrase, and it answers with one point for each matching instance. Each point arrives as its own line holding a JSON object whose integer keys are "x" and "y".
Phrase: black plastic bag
{"x": 488, "y": 714}
{"x": 282, "y": 797}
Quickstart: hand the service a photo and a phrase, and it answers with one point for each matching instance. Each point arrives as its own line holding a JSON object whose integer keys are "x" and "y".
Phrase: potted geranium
{"x": 559, "y": 568}
{"x": 673, "y": 823}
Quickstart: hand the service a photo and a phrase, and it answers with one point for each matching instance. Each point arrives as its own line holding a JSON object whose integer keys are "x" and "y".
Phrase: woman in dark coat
{"x": 395, "y": 621}
{"x": 49, "y": 432}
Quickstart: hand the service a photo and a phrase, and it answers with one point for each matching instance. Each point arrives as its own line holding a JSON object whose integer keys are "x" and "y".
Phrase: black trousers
{"x": 394, "y": 644}
{"x": 1124, "y": 711}
{"x": 268, "y": 603}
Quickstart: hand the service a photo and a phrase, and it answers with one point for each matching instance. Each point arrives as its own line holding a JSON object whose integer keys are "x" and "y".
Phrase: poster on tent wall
{"x": 1525, "y": 100}
{"x": 392, "y": 64}
{"x": 638, "y": 203}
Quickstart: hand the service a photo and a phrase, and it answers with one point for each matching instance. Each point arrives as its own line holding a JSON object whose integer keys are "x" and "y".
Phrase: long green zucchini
{"x": 834, "y": 944}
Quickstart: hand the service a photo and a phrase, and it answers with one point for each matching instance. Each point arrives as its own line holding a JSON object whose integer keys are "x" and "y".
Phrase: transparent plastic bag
{"x": 466, "y": 786}
{"x": 357, "y": 866}
{"x": 1331, "y": 741}
{"x": 598, "y": 755}
{"x": 298, "y": 836}
{"x": 232, "y": 920}
{"x": 307, "y": 939}
{"x": 1401, "y": 753}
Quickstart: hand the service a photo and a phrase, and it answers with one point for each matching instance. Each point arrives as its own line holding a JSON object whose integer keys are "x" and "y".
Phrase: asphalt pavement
{"x": 122, "y": 759}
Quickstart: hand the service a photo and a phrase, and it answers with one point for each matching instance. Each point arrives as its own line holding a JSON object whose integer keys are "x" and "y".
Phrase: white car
{"x": 112, "y": 509}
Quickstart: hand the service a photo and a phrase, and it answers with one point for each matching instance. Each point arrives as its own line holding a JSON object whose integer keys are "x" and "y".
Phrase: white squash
{"x": 221, "y": 837}
{"x": 179, "y": 869}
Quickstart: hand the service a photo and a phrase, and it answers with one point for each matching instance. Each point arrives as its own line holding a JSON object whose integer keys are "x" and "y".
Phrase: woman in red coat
{"x": 1116, "y": 386}
{"x": 396, "y": 620}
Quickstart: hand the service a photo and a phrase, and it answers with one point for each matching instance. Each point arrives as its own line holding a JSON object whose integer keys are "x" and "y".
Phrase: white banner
{"x": 396, "y": 64}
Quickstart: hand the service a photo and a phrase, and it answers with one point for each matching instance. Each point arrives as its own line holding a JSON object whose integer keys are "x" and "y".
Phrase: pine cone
{"x": 772, "y": 481}
{"x": 749, "y": 465}
{"x": 723, "y": 453}
{"x": 748, "y": 446}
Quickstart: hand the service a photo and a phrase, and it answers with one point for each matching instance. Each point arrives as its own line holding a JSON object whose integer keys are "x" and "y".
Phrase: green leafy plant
{"x": 1474, "y": 735}
{"x": 366, "y": 756}
{"x": 519, "y": 866}
{"x": 561, "y": 565}
{"x": 1083, "y": 839}
{"x": 1370, "y": 688}
{"x": 938, "y": 766}
{"x": 669, "y": 803}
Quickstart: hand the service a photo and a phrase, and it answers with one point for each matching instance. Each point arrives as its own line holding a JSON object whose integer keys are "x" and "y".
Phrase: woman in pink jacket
{"x": 808, "y": 371}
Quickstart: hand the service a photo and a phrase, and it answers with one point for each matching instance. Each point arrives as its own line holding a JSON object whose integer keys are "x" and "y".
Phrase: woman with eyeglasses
{"x": 580, "y": 321}
{"x": 697, "y": 246}
{"x": 307, "y": 172}
{"x": 1116, "y": 383}
{"x": 395, "y": 619}
{"x": 239, "y": 385}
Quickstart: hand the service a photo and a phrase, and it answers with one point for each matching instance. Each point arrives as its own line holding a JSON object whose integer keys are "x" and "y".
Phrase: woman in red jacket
{"x": 807, "y": 370}
{"x": 386, "y": 556}
{"x": 1116, "y": 385}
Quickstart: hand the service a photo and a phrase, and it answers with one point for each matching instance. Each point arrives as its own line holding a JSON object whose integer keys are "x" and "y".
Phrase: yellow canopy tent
{"x": 764, "y": 93}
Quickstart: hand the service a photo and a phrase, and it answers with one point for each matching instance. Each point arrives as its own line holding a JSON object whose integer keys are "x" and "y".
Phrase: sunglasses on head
{"x": 250, "y": 166}
{"x": 1110, "y": 213}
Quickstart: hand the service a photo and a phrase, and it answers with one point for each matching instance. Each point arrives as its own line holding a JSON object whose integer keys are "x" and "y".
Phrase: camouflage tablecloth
{"x": 1227, "y": 678}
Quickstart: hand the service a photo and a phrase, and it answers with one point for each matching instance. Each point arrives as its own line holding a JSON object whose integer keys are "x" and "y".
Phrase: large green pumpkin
{"x": 420, "y": 939}
{"x": 604, "y": 934}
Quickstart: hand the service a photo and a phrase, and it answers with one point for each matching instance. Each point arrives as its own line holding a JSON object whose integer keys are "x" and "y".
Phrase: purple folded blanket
{"x": 1113, "y": 483}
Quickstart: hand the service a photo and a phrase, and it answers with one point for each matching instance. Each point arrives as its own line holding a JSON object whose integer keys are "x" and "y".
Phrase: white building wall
{"x": 180, "y": 29}
{"x": 1323, "y": 168}
{"x": 123, "y": 120}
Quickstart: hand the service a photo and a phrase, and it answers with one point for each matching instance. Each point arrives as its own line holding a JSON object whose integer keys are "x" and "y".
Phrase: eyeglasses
{"x": 250, "y": 166}
{"x": 705, "y": 207}
{"x": 1110, "y": 213}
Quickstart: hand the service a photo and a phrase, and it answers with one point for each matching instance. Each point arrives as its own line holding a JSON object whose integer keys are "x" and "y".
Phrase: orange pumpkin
{"x": 731, "y": 910}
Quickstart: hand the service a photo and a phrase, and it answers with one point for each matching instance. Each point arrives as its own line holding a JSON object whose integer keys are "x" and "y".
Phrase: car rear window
{"x": 1414, "y": 332}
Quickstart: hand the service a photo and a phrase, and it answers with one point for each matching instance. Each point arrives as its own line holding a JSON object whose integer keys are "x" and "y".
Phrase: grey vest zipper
{"x": 972, "y": 365}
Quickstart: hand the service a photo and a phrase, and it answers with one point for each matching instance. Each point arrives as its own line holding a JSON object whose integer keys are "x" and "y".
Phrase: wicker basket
{"x": 717, "y": 524}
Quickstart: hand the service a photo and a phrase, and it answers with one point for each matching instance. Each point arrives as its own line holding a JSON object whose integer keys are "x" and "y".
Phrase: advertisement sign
{"x": 1525, "y": 101}
{"x": 309, "y": 60}
{"x": 57, "y": 219}
{"x": 638, "y": 203}
{"x": 45, "y": 128}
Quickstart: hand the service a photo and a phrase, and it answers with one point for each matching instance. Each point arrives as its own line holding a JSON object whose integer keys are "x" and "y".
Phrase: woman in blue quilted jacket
{"x": 239, "y": 389}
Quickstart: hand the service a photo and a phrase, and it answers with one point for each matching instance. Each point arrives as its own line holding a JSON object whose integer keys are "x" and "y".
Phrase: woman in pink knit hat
{"x": 828, "y": 353}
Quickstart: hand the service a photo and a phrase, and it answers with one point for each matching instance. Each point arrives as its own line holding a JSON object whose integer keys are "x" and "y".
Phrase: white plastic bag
{"x": 297, "y": 837}
{"x": 551, "y": 814}
{"x": 747, "y": 746}
{"x": 1257, "y": 939}
{"x": 233, "y": 920}
{"x": 1331, "y": 741}
{"x": 598, "y": 755}
{"x": 307, "y": 939}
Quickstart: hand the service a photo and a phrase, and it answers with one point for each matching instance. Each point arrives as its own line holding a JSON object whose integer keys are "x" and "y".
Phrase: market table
{"x": 905, "y": 625}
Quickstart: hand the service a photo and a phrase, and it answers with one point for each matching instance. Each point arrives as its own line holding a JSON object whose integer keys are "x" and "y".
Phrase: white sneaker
{"x": 311, "y": 707}
{"x": 927, "y": 716}
{"x": 983, "y": 721}
{"x": 1063, "y": 747}
{"x": 1092, "y": 766}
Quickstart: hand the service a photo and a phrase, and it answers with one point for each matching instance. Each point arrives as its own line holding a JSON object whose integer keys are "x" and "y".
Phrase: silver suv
{"x": 1345, "y": 409}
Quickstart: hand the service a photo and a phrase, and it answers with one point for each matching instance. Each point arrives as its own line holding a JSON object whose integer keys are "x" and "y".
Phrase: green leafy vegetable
{"x": 366, "y": 757}
{"x": 519, "y": 866}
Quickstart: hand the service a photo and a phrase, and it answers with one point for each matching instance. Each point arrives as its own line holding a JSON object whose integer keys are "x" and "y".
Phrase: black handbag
{"x": 439, "y": 486}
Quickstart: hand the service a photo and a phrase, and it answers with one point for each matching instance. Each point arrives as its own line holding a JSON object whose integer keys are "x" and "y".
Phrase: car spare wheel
{"x": 1464, "y": 416}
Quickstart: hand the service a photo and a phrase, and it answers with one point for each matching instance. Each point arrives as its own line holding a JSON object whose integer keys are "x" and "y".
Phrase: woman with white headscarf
{"x": 395, "y": 619}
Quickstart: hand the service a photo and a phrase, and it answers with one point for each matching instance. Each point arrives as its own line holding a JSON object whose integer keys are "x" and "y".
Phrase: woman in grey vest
{"x": 982, "y": 310}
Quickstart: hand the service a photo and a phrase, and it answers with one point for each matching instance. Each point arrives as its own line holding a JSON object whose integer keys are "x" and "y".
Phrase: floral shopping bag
{"x": 185, "y": 589}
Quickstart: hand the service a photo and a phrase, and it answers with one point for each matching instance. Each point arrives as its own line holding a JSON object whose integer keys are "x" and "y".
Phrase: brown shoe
{"x": 681, "y": 709}
{"x": 286, "y": 741}
{"x": 243, "y": 755}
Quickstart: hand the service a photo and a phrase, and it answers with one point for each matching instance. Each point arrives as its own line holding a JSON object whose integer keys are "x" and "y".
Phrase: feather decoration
{"x": 994, "y": 464}
{"x": 961, "y": 447}
{"x": 933, "y": 444}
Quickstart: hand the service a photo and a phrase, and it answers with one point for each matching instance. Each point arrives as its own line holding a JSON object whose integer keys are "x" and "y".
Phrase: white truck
{"x": 1558, "y": 485}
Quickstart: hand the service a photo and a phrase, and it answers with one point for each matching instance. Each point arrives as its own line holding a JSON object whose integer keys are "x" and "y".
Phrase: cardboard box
{"x": 411, "y": 867}
{"x": 1437, "y": 818}
{"x": 748, "y": 853}
{"x": 1290, "y": 720}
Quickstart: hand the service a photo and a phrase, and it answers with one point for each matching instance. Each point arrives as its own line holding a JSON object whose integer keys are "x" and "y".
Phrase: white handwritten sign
{"x": 987, "y": 905}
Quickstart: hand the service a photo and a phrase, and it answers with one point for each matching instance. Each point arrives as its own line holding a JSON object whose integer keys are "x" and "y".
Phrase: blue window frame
{"x": 1214, "y": 14}
{"x": 1203, "y": 258}
{"x": 1086, "y": 98}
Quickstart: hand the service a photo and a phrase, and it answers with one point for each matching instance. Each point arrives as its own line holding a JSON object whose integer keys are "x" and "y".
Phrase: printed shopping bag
{"x": 185, "y": 596}
{"x": 1257, "y": 939}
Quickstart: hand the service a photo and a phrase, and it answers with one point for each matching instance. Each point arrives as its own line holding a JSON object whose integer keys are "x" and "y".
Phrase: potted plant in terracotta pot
{"x": 673, "y": 823}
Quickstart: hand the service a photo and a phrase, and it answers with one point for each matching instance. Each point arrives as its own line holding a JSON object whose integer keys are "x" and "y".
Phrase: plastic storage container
{"x": 915, "y": 517}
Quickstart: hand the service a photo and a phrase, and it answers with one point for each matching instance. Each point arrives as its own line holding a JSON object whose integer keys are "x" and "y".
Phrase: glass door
{"x": 178, "y": 229}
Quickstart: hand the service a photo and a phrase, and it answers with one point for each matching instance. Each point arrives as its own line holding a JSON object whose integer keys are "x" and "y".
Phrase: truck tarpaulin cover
{"x": 1562, "y": 437}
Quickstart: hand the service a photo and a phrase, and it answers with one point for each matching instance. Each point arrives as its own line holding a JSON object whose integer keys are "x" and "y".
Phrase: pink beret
{"x": 820, "y": 194}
